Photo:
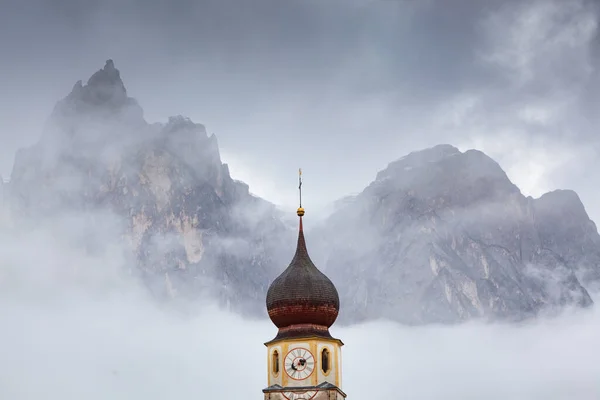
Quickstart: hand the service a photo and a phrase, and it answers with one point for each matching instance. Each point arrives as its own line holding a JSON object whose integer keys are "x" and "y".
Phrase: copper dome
{"x": 302, "y": 301}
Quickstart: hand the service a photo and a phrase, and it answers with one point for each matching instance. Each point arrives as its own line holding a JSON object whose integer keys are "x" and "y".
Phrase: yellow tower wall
{"x": 315, "y": 346}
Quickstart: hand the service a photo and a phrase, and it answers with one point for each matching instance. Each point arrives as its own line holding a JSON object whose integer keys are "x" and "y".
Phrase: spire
{"x": 300, "y": 211}
{"x": 301, "y": 247}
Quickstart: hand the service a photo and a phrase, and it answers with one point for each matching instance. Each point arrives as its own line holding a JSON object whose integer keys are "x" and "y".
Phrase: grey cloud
{"x": 334, "y": 86}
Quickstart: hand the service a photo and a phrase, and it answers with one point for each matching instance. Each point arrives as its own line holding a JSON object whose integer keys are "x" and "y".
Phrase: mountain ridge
{"x": 439, "y": 235}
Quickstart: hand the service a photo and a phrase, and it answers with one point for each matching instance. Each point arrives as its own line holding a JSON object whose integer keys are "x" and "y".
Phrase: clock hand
{"x": 294, "y": 367}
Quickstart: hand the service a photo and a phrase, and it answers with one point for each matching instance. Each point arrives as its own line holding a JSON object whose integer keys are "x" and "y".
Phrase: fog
{"x": 76, "y": 325}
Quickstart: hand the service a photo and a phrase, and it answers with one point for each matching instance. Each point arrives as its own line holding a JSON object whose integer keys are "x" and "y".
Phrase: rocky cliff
{"x": 192, "y": 228}
{"x": 444, "y": 236}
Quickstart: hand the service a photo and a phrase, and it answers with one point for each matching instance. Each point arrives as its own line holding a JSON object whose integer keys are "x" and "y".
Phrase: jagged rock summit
{"x": 444, "y": 236}
{"x": 104, "y": 87}
{"x": 104, "y": 95}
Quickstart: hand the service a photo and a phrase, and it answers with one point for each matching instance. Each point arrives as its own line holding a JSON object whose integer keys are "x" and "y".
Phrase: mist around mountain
{"x": 438, "y": 236}
{"x": 190, "y": 230}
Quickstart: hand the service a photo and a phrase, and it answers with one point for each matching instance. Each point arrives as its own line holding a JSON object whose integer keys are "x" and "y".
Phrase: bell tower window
{"x": 325, "y": 361}
{"x": 275, "y": 362}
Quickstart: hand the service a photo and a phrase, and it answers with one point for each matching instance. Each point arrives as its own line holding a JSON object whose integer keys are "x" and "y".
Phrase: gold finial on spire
{"x": 300, "y": 211}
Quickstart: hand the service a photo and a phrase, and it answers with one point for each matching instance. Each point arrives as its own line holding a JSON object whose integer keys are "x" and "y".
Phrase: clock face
{"x": 299, "y": 364}
{"x": 300, "y": 395}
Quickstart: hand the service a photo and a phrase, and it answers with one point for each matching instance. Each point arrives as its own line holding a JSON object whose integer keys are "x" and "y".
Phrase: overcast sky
{"x": 338, "y": 87}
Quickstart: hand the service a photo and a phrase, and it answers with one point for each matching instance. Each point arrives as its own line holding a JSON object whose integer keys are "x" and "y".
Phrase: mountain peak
{"x": 447, "y": 164}
{"x": 109, "y": 64}
{"x": 105, "y": 86}
{"x": 562, "y": 201}
{"x": 103, "y": 93}
{"x": 436, "y": 152}
{"x": 417, "y": 159}
{"x": 107, "y": 75}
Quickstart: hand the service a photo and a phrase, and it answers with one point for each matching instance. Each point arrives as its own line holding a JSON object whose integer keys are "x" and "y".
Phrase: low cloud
{"x": 76, "y": 325}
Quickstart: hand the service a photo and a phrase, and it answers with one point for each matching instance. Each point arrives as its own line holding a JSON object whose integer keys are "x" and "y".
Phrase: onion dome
{"x": 302, "y": 301}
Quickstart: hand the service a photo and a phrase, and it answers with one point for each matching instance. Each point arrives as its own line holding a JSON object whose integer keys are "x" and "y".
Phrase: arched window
{"x": 275, "y": 362}
{"x": 325, "y": 360}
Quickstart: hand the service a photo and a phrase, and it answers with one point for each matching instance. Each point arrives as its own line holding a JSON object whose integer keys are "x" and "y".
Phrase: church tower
{"x": 304, "y": 362}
